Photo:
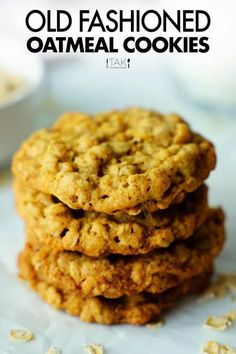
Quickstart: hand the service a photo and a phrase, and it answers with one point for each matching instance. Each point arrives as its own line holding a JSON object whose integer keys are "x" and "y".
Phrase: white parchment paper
{"x": 183, "y": 332}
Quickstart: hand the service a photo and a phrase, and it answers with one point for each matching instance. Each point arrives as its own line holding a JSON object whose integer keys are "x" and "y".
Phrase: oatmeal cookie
{"x": 130, "y": 160}
{"x": 136, "y": 309}
{"x": 116, "y": 275}
{"x": 96, "y": 234}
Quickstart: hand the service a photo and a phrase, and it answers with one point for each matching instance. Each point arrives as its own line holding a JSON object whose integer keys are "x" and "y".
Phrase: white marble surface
{"x": 183, "y": 332}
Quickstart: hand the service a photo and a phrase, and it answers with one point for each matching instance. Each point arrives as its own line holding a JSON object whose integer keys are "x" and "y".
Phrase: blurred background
{"x": 201, "y": 87}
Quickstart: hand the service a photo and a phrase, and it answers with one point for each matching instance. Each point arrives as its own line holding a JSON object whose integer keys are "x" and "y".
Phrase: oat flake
{"x": 21, "y": 335}
{"x": 155, "y": 325}
{"x": 225, "y": 283}
{"x": 53, "y": 350}
{"x": 94, "y": 349}
{"x": 221, "y": 323}
{"x": 216, "y": 348}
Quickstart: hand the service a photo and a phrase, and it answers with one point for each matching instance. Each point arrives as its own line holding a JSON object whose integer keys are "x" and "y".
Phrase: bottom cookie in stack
{"x": 123, "y": 289}
{"x": 135, "y": 309}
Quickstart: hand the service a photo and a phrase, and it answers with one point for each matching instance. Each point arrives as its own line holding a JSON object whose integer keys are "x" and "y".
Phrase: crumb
{"x": 216, "y": 348}
{"x": 155, "y": 324}
{"x": 53, "y": 350}
{"x": 94, "y": 349}
{"x": 221, "y": 323}
{"x": 21, "y": 335}
{"x": 225, "y": 283}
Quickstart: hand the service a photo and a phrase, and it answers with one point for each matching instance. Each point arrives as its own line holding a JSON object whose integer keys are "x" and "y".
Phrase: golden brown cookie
{"x": 136, "y": 309}
{"x": 115, "y": 275}
{"x": 96, "y": 234}
{"x": 130, "y": 160}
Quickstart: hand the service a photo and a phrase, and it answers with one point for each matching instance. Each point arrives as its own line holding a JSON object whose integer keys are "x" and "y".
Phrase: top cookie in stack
{"x": 126, "y": 161}
{"x": 115, "y": 207}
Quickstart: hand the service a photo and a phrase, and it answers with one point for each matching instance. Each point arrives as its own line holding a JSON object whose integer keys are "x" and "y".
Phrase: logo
{"x": 117, "y": 63}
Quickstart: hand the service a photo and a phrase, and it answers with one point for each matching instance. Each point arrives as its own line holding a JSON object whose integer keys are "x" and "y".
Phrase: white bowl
{"x": 19, "y": 115}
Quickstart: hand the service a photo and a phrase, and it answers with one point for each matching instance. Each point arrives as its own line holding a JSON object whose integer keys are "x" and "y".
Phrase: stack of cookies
{"x": 118, "y": 225}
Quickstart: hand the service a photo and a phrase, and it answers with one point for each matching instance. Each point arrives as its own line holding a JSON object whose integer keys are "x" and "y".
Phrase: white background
{"x": 82, "y": 82}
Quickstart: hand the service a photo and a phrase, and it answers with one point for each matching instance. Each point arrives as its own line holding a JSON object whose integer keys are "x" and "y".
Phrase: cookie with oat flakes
{"x": 98, "y": 234}
{"x": 135, "y": 309}
{"x": 116, "y": 275}
{"x": 130, "y": 160}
